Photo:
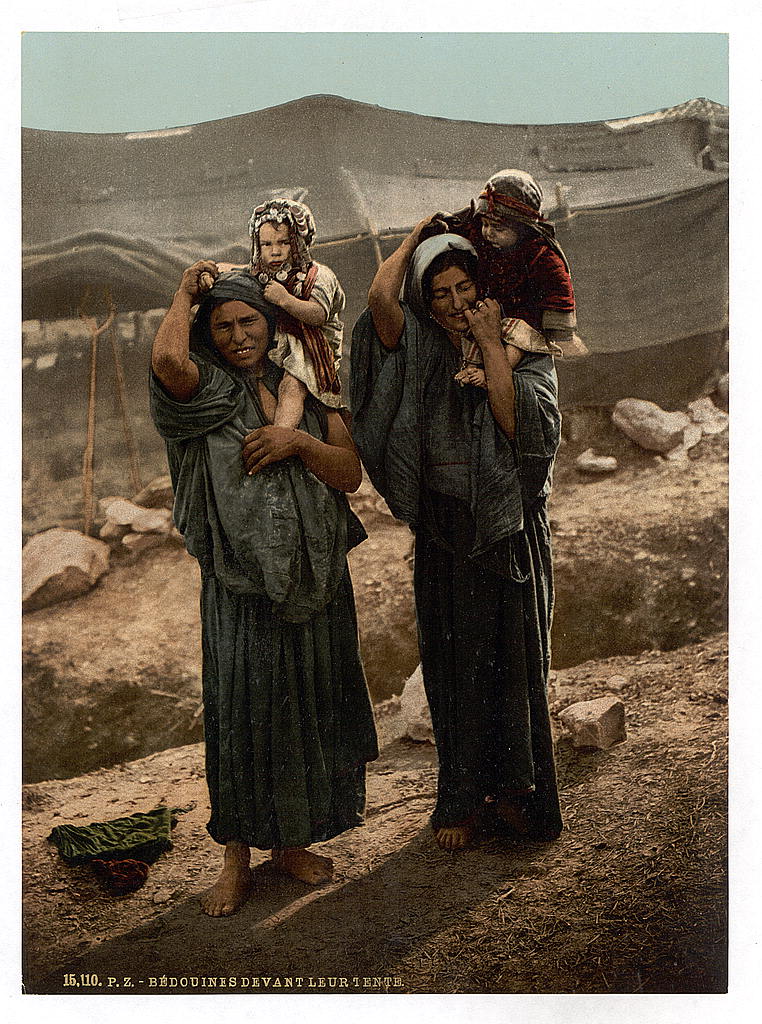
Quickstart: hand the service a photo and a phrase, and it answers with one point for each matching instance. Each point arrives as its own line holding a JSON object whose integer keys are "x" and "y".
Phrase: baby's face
{"x": 498, "y": 232}
{"x": 274, "y": 245}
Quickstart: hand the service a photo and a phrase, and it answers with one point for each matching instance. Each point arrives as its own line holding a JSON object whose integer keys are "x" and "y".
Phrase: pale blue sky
{"x": 131, "y": 81}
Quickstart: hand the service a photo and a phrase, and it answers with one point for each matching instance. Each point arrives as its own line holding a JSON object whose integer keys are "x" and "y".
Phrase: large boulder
{"x": 60, "y": 564}
{"x": 648, "y": 425}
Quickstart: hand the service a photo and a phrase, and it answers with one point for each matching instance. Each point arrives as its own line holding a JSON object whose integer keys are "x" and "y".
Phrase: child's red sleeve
{"x": 552, "y": 282}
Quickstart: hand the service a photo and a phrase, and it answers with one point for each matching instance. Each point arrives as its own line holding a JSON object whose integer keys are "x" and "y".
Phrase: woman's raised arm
{"x": 384, "y": 291}
{"x": 169, "y": 357}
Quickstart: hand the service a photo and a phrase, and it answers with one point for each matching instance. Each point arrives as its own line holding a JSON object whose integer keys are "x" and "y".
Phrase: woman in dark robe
{"x": 288, "y": 722}
{"x": 469, "y": 469}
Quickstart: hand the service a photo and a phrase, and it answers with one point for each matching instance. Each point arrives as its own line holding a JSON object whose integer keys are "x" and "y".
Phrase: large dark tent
{"x": 639, "y": 204}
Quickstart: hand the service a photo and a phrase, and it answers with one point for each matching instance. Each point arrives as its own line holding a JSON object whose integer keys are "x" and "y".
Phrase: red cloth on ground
{"x": 121, "y": 876}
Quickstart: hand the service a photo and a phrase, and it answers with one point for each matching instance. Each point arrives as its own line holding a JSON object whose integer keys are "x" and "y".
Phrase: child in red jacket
{"x": 521, "y": 266}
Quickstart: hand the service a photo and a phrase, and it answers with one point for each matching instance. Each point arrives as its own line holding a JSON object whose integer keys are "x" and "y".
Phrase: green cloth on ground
{"x": 141, "y": 836}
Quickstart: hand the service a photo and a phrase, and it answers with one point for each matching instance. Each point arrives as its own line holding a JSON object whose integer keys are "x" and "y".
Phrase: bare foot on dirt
{"x": 513, "y": 815}
{"x": 231, "y": 890}
{"x": 307, "y": 867}
{"x": 455, "y": 837}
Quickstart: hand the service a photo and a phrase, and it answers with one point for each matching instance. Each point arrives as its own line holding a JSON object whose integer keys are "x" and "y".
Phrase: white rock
{"x": 589, "y": 462}
{"x": 707, "y": 416}
{"x": 616, "y": 683}
{"x": 153, "y": 520}
{"x": 123, "y": 512}
{"x": 105, "y": 503}
{"x": 60, "y": 564}
{"x": 648, "y": 425}
{"x": 595, "y": 723}
{"x": 137, "y": 543}
{"x": 416, "y": 718}
{"x": 112, "y": 531}
{"x": 692, "y": 435}
{"x": 156, "y": 494}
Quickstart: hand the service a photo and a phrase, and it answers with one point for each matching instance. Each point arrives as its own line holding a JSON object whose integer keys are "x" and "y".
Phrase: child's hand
{"x": 275, "y": 292}
{"x": 472, "y": 375}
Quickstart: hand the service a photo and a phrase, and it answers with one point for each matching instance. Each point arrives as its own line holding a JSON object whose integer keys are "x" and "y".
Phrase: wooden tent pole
{"x": 128, "y": 435}
{"x": 363, "y": 212}
{"x": 87, "y": 459}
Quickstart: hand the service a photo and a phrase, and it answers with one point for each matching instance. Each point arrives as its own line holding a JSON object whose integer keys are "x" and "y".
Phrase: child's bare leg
{"x": 514, "y": 354}
{"x": 304, "y": 865}
{"x": 231, "y": 889}
{"x": 291, "y": 395}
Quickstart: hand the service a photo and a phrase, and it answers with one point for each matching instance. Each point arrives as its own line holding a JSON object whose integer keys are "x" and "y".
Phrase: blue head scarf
{"x": 234, "y": 284}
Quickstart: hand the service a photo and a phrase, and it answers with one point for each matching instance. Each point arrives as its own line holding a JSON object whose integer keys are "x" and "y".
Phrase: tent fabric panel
{"x": 650, "y": 274}
{"x": 205, "y": 179}
{"x": 671, "y": 375}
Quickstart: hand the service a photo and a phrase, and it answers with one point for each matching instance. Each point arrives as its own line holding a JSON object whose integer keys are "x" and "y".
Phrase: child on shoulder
{"x": 309, "y": 332}
{"x": 522, "y": 267}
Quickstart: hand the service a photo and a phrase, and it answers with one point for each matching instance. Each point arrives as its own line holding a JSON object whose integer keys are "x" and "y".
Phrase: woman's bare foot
{"x": 307, "y": 867}
{"x": 512, "y": 814}
{"x": 455, "y": 837}
{"x": 231, "y": 890}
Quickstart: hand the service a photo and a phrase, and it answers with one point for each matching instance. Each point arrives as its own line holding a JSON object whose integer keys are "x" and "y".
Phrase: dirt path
{"x": 630, "y": 899}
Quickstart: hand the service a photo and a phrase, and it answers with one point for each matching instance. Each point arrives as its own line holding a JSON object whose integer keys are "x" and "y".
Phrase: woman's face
{"x": 453, "y": 291}
{"x": 240, "y": 333}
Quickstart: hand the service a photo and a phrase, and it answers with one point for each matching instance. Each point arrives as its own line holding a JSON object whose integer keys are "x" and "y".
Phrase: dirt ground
{"x": 116, "y": 675}
{"x": 631, "y": 898}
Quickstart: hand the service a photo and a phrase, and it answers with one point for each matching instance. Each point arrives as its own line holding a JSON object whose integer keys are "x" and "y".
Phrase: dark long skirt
{"x": 485, "y": 654}
{"x": 288, "y": 720}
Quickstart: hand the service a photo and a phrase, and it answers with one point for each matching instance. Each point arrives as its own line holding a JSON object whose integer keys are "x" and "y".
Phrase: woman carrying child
{"x": 287, "y": 718}
{"x": 469, "y": 469}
